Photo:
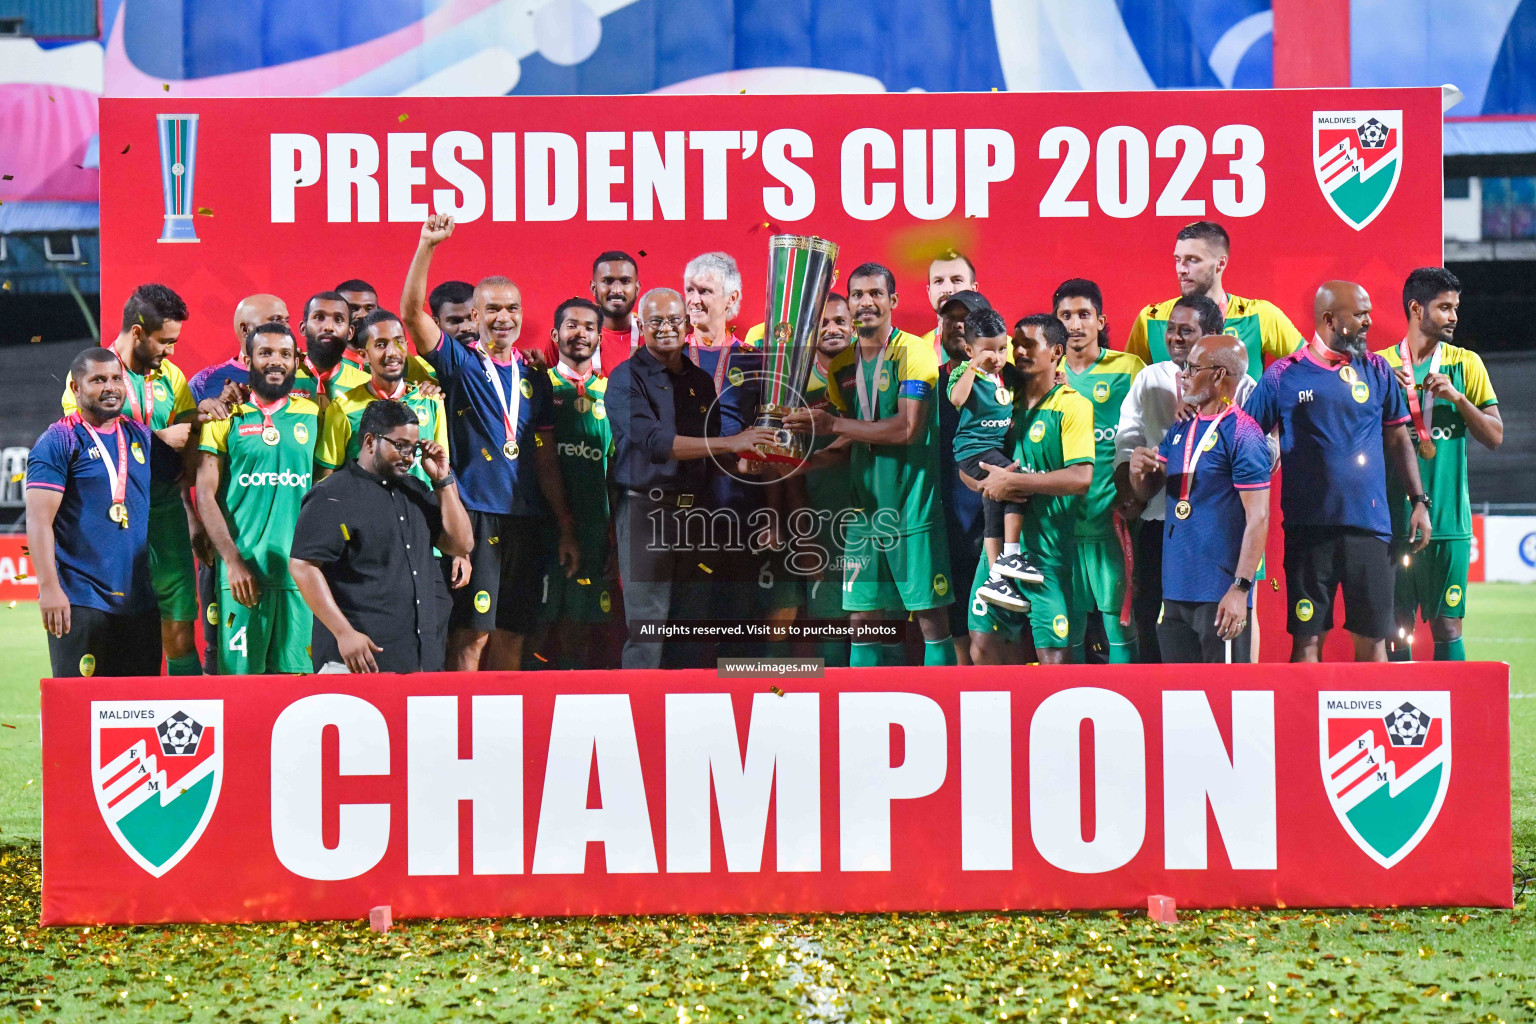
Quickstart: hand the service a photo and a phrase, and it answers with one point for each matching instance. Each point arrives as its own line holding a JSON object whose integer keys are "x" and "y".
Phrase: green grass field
{"x": 1233, "y": 966}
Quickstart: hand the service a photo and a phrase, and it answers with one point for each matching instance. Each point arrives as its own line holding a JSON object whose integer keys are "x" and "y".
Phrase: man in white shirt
{"x": 1150, "y": 408}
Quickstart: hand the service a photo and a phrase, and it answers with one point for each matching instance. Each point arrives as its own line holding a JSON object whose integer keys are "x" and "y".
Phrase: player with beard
{"x": 500, "y": 423}
{"x": 252, "y": 475}
{"x": 1343, "y": 420}
{"x": 615, "y": 289}
{"x": 1201, "y": 253}
{"x": 575, "y": 599}
{"x": 828, "y": 489}
{"x": 361, "y": 298}
{"x": 88, "y": 499}
{"x": 1103, "y": 376}
{"x": 327, "y": 333}
{"x": 948, "y": 273}
{"x": 213, "y": 381}
{"x": 453, "y": 309}
{"x": 385, "y": 347}
{"x": 1449, "y": 398}
{"x": 158, "y": 397}
{"x": 897, "y": 551}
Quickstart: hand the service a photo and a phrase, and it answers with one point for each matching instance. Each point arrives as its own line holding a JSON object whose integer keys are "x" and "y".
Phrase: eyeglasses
{"x": 405, "y": 449}
{"x": 1193, "y": 369}
{"x": 674, "y": 322}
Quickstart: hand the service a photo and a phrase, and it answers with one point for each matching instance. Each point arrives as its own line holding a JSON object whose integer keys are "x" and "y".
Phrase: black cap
{"x": 971, "y": 300}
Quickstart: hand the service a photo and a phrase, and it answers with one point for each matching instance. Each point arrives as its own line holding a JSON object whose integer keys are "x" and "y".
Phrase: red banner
{"x": 17, "y": 583}
{"x": 314, "y": 797}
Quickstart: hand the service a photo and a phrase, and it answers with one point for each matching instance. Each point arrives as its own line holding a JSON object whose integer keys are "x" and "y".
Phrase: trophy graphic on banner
{"x": 800, "y": 272}
{"x": 178, "y": 162}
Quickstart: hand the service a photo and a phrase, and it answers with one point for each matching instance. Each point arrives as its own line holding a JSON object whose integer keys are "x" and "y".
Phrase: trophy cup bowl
{"x": 800, "y": 273}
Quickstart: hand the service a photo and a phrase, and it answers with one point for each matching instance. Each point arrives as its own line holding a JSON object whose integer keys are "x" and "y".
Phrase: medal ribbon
{"x": 146, "y": 413}
{"x": 510, "y": 407}
{"x": 267, "y": 411}
{"x": 867, "y": 396}
{"x": 1192, "y": 451}
{"x": 399, "y": 390}
{"x": 117, "y": 476}
{"x": 322, "y": 380}
{"x": 721, "y": 367}
{"x": 1421, "y": 409}
{"x": 580, "y": 382}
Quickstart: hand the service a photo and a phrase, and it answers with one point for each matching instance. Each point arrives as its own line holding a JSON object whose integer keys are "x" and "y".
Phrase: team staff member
{"x": 948, "y": 274}
{"x": 1449, "y": 398}
{"x": 1103, "y": 376}
{"x": 384, "y": 345}
{"x": 88, "y": 501}
{"x": 452, "y": 304}
{"x": 583, "y": 433}
{"x": 362, "y": 550}
{"x": 1201, "y": 252}
{"x": 499, "y": 429}
{"x": 1343, "y": 422}
{"x": 1215, "y": 466}
{"x": 897, "y": 552}
{"x": 158, "y": 397}
{"x": 666, "y": 431}
{"x": 1054, "y": 455}
{"x": 211, "y": 381}
{"x": 615, "y": 288}
{"x": 252, "y": 475}
{"x": 1154, "y": 403}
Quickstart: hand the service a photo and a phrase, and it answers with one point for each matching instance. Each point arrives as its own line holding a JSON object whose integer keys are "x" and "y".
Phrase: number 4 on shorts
{"x": 237, "y": 641}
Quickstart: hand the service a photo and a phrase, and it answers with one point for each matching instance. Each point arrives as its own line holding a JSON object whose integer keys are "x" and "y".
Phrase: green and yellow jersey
{"x": 261, "y": 485}
{"x": 1104, "y": 383}
{"x": 344, "y": 378}
{"x": 1445, "y": 475}
{"x": 584, "y": 444}
{"x": 158, "y": 399}
{"x": 903, "y": 478}
{"x": 987, "y": 414}
{"x": 340, "y": 439}
{"x": 1056, "y": 433}
{"x": 831, "y": 487}
{"x": 1257, "y": 323}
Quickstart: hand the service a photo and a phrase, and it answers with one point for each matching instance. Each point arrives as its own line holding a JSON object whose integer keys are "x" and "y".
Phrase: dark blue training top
{"x": 1200, "y": 553}
{"x": 101, "y": 565}
{"x": 1331, "y": 423}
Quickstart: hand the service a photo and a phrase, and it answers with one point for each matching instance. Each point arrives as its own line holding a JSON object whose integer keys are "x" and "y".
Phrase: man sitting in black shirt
{"x": 362, "y": 552}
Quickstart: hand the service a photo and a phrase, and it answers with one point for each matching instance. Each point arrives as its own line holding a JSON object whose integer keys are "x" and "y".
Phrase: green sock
{"x": 1122, "y": 654}
{"x": 1400, "y": 652}
{"x": 834, "y": 653}
{"x": 186, "y": 665}
{"x": 1450, "y": 650}
{"x": 939, "y": 652}
{"x": 893, "y": 655}
{"x": 864, "y": 655}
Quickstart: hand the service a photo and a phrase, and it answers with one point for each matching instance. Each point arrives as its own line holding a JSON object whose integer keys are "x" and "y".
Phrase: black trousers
{"x": 664, "y": 581}
{"x": 1147, "y": 584}
{"x": 993, "y": 511}
{"x": 1188, "y": 634}
{"x": 102, "y": 644}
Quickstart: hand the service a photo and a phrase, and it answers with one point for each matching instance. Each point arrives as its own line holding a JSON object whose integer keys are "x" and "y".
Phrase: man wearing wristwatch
{"x": 1215, "y": 466}
{"x": 1343, "y": 424}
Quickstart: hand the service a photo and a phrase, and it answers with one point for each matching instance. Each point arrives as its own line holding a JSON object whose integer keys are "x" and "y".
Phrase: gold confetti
{"x": 584, "y": 581}
{"x": 17, "y": 478}
{"x": 8, "y": 725}
{"x": 345, "y": 535}
{"x": 1274, "y": 584}
{"x": 404, "y": 117}
{"x": 22, "y": 578}
{"x": 494, "y": 540}
{"x": 486, "y": 454}
{"x": 775, "y": 691}
{"x": 231, "y": 621}
{"x": 164, "y": 85}
{"x": 5, "y": 286}
{"x": 203, "y": 211}
{"x": 706, "y": 568}
{"x": 541, "y": 657}
{"x": 36, "y": 338}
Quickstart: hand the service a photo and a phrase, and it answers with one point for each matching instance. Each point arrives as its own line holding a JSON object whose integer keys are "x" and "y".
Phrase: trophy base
{"x": 179, "y": 228}
{"x": 788, "y": 446}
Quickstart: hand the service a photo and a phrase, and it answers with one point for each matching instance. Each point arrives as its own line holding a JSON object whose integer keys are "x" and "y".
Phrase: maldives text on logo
{"x": 1386, "y": 765}
{"x": 156, "y": 767}
{"x": 1357, "y": 155}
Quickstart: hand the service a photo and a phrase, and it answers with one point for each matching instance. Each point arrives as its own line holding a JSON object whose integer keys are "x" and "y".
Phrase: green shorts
{"x": 778, "y": 586}
{"x": 1098, "y": 581}
{"x": 892, "y": 573}
{"x": 1433, "y": 585}
{"x": 170, "y": 562}
{"x": 270, "y": 638}
{"x": 1050, "y": 609}
{"x": 586, "y": 596}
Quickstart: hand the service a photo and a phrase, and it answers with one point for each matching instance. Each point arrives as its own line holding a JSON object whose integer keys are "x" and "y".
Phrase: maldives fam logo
{"x": 156, "y": 770}
{"x": 1357, "y": 156}
{"x": 1386, "y": 765}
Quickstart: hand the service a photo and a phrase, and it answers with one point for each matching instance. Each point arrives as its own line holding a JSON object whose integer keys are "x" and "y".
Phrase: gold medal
{"x": 1182, "y": 510}
{"x": 1348, "y": 373}
{"x": 510, "y": 449}
{"x": 1426, "y": 448}
{"x": 118, "y": 513}
{"x": 270, "y": 435}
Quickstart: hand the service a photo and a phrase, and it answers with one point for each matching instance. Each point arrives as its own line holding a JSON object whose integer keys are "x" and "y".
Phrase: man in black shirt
{"x": 362, "y": 552}
{"x": 666, "y": 425}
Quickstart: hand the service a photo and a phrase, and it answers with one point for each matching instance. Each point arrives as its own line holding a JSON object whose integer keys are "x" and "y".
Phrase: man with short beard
{"x": 328, "y": 337}
{"x": 158, "y": 396}
{"x": 948, "y": 273}
{"x": 88, "y": 505}
{"x": 252, "y": 474}
{"x": 615, "y": 288}
{"x": 828, "y": 487}
{"x": 453, "y": 309}
{"x": 1343, "y": 421}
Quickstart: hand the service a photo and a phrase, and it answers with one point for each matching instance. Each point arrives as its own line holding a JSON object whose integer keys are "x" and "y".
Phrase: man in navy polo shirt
{"x": 1341, "y": 416}
{"x": 501, "y": 442}
{"x": 88, "y": 529}
{"x": 1216, "y": 466}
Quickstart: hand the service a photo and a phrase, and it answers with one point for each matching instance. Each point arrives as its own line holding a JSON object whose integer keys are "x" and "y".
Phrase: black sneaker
{"x": 1002, "y": 593}
{"x": 1018, "y": 567}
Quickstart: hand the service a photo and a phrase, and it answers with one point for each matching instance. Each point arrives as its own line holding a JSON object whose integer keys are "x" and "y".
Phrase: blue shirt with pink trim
{"x": 1332, "y": 420}
{"x": 101, "y": 565}
{"x": 1200, "y": 553}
